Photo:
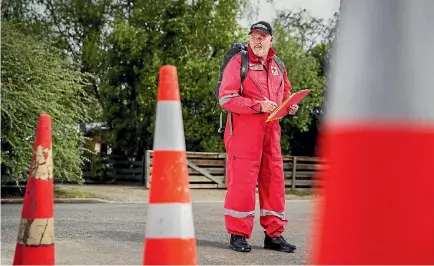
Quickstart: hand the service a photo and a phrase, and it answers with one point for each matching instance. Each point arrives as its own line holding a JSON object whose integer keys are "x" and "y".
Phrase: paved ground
{"x": 101, "y": 234}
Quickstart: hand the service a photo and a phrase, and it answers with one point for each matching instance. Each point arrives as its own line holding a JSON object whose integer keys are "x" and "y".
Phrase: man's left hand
{"x": 293, "y": 109}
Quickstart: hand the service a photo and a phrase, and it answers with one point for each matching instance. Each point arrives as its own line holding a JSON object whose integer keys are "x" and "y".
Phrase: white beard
{"x": 260, "y": 52}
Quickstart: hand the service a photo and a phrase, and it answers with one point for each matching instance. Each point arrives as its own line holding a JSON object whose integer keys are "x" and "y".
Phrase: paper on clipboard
{"x": 281, "y": 110}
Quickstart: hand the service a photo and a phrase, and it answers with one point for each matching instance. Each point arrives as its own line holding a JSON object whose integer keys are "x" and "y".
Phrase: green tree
{"x": 303, "y": 74}
{"x": 78, "y": 27}
{"x": 305, "y": 42}
{"x": 192, "y": 35}
{"x": 37, "y": 79}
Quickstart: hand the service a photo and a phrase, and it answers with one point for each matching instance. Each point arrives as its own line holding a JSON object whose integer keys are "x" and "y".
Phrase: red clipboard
{"x": 281, "y": 110}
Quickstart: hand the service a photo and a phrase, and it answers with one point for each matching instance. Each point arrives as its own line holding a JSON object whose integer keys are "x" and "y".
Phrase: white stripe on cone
{"x": 169, "y": 127}
{"x": 383, "y": 72}
{"x": 170, "y": 220}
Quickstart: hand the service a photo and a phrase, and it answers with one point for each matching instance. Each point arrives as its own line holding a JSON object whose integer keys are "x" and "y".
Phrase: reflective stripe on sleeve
{"x": 226, "y": 98}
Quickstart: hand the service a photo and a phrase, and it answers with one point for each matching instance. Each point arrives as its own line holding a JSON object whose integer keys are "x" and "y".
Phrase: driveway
{"x": 113, "y": 233}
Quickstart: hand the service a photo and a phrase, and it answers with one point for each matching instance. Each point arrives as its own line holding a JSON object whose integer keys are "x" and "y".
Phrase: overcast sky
{"x": 317, "y": 8}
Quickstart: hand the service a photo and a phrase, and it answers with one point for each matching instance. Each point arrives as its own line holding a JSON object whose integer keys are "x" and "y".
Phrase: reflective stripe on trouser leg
{"x": 240, "y": 196}
{"x": 243, "y": 162}
{"x": 280, "y": 215}
{"x": 237, "y": 214}
{"x": 238, "y": 217}
{"x": 272, "y": 183}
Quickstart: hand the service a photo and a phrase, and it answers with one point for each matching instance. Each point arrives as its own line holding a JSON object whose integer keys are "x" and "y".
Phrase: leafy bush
{"x": 37, "y": 79}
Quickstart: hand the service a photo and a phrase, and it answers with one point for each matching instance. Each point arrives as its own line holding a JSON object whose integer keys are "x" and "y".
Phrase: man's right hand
{"x": 267, "y": 106}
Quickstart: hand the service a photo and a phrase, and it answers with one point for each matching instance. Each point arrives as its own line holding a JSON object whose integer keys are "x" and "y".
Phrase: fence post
{"x": 143, "y": 159}
{"x": 146, "y": 168}
{"x": 294, "y": 171}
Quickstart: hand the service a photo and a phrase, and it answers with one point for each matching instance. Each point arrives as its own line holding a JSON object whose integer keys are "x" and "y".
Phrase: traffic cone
{"x": 170, "y": 236}
{"x": 35, "y": 244}
{"x": 378, "y": 138}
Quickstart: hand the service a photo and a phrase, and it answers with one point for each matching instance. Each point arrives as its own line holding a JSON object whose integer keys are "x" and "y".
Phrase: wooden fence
{"x": 207, "y": 170}
{"x": 119, "y": 169}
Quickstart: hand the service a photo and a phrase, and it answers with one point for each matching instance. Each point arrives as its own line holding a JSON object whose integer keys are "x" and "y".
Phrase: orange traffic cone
{"x": 170, "y": 237}
{"x": 378, "y": 140}
{"x": 35, "y": 244}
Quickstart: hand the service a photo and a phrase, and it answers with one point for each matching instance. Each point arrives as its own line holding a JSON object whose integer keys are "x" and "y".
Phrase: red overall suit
{"x": 253, "y": 146}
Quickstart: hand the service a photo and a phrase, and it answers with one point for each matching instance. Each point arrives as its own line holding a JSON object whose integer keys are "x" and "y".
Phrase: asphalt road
{"x": 98, "y": 234}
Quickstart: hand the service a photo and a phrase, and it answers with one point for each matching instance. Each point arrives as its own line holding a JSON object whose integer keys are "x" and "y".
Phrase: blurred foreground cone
{"x": 35, "y": 244}
{"x": 378, "y": 140}
{"x": 170, "y": 237}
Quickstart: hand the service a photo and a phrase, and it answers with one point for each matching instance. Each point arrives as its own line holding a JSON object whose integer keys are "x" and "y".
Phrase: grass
{"x": 72, "y": 193}
{"x": 300, "y": 192}
{"x": 18, "y": 192}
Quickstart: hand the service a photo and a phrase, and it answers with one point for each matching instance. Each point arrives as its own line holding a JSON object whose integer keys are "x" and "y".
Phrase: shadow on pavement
{"x": 218, "y": 244}
{"x": 212, "y": 244}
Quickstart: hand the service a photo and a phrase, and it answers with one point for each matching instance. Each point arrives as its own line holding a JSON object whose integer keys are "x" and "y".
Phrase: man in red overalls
{"x": 252, "y": 145}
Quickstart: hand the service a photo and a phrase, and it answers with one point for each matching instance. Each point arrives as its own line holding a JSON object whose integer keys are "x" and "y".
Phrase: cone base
{"x": 170, "y": 252}
{"x": 378, "y": 196}
{"x": 34, "y": 255}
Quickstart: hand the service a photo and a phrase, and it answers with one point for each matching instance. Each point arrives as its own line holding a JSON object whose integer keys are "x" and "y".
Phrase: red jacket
{"x": 261, "y": 80}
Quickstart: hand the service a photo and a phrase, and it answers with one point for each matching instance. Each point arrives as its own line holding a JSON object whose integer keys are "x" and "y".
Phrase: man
{"x": 252, "y": 145}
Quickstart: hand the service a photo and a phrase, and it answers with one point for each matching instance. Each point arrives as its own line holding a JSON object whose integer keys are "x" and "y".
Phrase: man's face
{"x": 260, "y": 43}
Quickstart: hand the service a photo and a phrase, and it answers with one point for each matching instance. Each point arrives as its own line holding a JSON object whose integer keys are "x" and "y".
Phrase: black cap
{"x": 263, "y": 26}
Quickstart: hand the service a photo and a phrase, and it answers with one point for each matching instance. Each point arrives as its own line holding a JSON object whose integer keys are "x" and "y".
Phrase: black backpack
{"x": 238, "y": 48}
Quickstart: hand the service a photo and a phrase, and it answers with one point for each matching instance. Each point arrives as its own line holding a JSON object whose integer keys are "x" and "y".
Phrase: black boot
{"x": 278, "y": 244}
{"x": 239, "y": 243}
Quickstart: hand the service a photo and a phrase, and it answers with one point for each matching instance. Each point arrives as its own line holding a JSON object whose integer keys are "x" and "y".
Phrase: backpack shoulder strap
{"x": 244, "y": 64}
{"x": 280, "y": 63}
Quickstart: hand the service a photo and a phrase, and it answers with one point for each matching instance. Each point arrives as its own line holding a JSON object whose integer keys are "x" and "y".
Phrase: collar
{"x": 255, "y": 58}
